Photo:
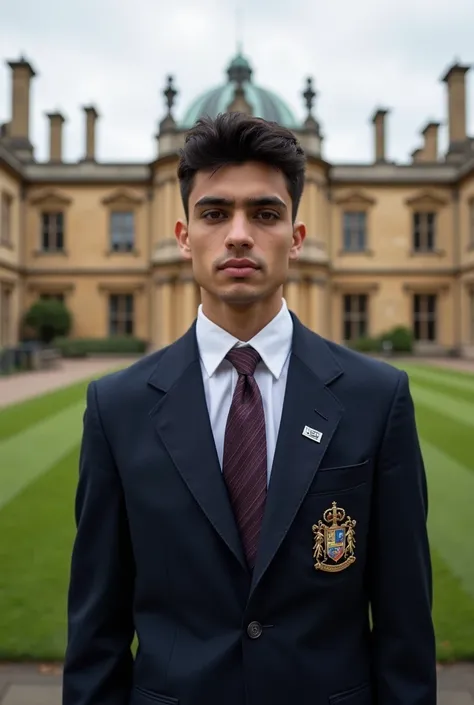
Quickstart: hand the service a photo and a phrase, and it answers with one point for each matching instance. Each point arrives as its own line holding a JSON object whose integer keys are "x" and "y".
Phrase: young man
{"x": 252, "y": 499}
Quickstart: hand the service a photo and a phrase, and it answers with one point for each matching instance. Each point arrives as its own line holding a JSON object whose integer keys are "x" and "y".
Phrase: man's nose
{"x": 239, "y": 234}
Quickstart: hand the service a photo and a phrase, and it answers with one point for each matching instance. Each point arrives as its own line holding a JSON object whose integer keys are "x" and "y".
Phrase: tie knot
{"x": 244, "y": 359}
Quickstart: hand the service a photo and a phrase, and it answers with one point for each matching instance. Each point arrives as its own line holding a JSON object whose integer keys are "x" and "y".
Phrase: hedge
{"x": 81, "y": 347}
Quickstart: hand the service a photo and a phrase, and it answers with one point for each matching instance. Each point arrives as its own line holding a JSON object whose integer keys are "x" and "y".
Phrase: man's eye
{"x": 268, "y": 215}
{"x": 212, "y": 215}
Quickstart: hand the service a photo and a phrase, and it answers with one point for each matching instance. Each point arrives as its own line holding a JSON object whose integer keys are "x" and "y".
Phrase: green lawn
{"x": 39, "y": 446}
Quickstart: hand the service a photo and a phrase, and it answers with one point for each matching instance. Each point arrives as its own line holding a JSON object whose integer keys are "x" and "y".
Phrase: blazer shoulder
{"x": 370, "y": 371}
{"x": 119, "y": 388}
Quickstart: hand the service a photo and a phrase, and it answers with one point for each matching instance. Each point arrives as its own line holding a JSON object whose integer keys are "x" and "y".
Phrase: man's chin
{"x": 241, "y": 295}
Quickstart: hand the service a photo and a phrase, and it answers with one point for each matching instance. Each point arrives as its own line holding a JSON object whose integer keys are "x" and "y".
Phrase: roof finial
{"x": 309, "y": 95}
{"x": 170, "y": 94}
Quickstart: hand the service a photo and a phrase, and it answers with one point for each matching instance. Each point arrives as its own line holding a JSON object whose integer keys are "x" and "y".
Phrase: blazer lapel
{"x": 182, "y": 423}
{"x": 308, "y": 403}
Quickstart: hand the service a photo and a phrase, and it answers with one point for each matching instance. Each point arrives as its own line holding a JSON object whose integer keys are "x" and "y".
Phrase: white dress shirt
{"x": 273, "y": 343}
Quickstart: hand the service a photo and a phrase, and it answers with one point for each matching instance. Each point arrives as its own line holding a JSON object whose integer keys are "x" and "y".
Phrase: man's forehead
{"x": 240, "y": 183}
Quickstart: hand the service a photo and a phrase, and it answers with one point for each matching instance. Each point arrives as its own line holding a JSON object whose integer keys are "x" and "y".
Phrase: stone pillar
{"x": 312, "y": 305}
{"x": 168, "y": 209}
{"x": 164, "y": 314}
{"x": 292, "y": 294}
{"x": 188, "y": 309}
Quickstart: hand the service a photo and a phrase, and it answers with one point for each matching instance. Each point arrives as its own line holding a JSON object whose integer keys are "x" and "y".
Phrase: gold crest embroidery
{"x": 334, "y": 540}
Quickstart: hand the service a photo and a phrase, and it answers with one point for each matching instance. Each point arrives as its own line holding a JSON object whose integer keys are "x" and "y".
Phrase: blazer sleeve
{"x": 98, "y": 661}
{"x": 400, "y": 580}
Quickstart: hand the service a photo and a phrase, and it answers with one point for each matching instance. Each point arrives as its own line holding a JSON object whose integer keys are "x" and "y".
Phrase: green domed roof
{"x": 264, "y": 103}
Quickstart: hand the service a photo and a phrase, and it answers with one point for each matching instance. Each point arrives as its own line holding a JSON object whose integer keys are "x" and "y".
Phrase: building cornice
{"x": 9, "y": 159}
{"x": 88, "y": 173}
{"x": 394, "y": 173}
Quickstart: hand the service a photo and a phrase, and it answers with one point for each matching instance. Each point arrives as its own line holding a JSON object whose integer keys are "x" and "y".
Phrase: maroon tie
{"x": 245, "y": 451}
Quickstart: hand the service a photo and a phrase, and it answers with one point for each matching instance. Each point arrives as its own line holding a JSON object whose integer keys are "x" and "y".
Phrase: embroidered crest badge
{"x": 334, "y": 539}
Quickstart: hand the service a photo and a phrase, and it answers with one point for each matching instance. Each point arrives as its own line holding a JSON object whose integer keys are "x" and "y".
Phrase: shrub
{"x": 365, "y": 345}
{"x": 81, "y": 347}
{"x": 401, "y": 339}
{"x": 49, "y": 318}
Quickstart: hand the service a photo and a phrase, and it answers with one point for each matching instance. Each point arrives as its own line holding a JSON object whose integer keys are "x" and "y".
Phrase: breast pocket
{"x": 341, "y": 479}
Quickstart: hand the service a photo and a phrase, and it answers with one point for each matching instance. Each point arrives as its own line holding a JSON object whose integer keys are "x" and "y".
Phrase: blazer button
{"x": 254, "y": 630}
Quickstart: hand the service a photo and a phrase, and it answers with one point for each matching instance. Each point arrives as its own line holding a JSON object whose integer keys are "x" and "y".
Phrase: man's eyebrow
{"x": 256, "y": 201}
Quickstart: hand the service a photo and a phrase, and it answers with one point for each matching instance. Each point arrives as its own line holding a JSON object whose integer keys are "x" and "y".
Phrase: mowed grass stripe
{"x": 27, "y": 455}
{"x": 464, "y": 391}
{"x": 451, "y": 493}
{"x": 441, "y": 372}
{"x": 15, "y": 418}
{"x": 458, "y": 410}
{"x": 453, "y": 613}
{"x": 35, "y": 564}
{"x": 18, "y": 417}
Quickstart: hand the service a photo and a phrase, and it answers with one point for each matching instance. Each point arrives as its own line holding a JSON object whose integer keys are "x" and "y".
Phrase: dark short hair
{"x": 236, "y": 138}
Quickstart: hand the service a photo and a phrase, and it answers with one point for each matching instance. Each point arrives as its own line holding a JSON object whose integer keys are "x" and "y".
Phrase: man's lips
{"x": 239, "y": 264}
{"x": 239, "y": 268}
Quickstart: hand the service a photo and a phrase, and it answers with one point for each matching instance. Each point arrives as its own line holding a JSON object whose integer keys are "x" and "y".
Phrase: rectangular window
{"x": 355, "y": 316}
{"x": 425, "y": 317}
{"x": 121, "y": 314}
{"x": 5, "y": 219}
{"x": 354, "y": 231}
{"x": 52, "y": 231}
{"x": 122, "y": 231}
{"x": 424, "y": 231}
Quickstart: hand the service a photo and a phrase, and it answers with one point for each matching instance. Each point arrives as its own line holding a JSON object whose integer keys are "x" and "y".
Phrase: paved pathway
{"x": 16, "y": 388}
{"x": 41, "y": 685}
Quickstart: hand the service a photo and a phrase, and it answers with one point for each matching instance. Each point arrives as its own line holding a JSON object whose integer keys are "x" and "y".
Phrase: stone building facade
{"x": 388, "y": 244}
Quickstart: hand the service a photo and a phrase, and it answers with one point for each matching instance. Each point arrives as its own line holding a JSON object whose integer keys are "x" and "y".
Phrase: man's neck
{"x": 242, "y": 321}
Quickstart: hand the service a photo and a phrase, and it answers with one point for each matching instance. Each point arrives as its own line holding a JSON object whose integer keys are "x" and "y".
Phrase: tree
{"x": 49, "y": 318}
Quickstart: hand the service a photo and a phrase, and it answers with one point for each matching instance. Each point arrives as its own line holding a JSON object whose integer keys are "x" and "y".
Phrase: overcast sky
{"x": 116, "y": 54}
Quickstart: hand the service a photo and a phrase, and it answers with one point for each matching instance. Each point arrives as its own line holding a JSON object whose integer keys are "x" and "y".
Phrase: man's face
{"x": 240, "y": 236}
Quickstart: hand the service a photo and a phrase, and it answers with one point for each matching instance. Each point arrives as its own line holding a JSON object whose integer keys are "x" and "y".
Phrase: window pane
{"x": 129, "y": 303}
{"x": 431, "y": 329}
{"x": 122, "y": 230}
{"x": 354, "y": 230}
{"x": 362, "y": 303}
{"x": 347, "y": 330}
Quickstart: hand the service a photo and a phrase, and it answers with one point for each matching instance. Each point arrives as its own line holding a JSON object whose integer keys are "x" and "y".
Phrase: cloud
{"x": 117, "y": 56}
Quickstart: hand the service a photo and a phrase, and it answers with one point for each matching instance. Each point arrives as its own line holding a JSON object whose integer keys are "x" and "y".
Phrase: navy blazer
{"x": 157, "y": 550}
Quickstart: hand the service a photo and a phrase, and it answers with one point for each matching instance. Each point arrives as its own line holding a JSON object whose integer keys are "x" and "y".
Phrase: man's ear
{"x": 299, "y": 234}
{"x": 181, "y": 234}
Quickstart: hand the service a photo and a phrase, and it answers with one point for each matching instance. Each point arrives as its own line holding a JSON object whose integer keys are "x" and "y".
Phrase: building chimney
{"x": 91, "y": 119}
{"x": 56, "y": 121}
{"x": 416, "y": 155}
{"x": 430, "y": 147}
{"x": 19, "y": 127}
{"x": 455, "y": 78}
{"x": 378, "y": 120}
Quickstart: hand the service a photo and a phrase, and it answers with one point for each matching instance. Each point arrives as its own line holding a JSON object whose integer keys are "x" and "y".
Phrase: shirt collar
{"x": 273, "y": 343}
